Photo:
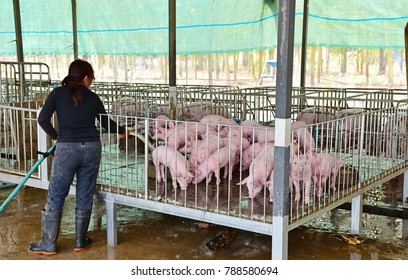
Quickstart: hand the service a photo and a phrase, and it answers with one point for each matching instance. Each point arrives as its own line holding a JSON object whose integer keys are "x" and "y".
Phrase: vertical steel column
{"x": 405, "y": 191}
{"x": 172, "y": 60}
{"x": 74, "y": 28}
{"x": 19, "y": 47}
{"x": 42, "y": 146}
{"x": 111, "y": 221}
{"x": 356, "y": 214}
{"x": 304, "y": 43}
{"x": 406, "y": 52}
{"x": 18, "y": 30}
{"x": 286, "y": 26}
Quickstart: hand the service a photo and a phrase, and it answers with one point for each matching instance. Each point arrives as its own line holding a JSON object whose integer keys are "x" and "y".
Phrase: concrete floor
{"x": 145, "y": 235}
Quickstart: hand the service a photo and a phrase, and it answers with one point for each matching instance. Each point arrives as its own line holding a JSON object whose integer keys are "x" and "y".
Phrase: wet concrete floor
{"x": 145, "y": 235}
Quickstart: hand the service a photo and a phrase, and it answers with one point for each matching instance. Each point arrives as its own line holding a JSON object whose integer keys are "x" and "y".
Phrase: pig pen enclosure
{"x": 215, "y": 162}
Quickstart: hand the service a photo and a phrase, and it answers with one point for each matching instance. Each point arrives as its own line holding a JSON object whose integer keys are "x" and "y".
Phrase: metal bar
{"x": 19, "y": 45}
{"x": 405, "y": 191}
{"x": 304, "y": 43}
{"x": 19, "y": 36}
{"x": 172, "y": 60}
{"x": 286, "y": 28}
{"x": 21, "y": 184}
{"x": 74, "y": 28}
{"x": 111, "y": 221}
{"x": 196, "y": 214}
{"x": 406, "y": 52}
{"x": 356, "y": 214}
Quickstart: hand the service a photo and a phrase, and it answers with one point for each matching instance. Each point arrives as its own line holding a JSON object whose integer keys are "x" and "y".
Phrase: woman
{"x": 78, "y": 152}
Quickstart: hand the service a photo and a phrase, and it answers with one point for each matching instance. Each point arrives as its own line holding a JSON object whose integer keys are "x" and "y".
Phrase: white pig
{"x": 160, "y": 125}
{"x": 204, "y": 148}
{"x": 163, "y": 157}
{"x": 304, "y": 138}
{"x": 225, "y": 157}
{"x": 325, "y": 167}
{"x": 260, "y": 170}
{"x": 301, "y": 172}
{"x": 250, "y": 153}
{"x": 180, "y": 136}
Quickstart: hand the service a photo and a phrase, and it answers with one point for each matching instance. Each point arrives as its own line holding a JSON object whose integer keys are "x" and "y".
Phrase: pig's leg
{"x": 209, "y": 176}
{"x": 160, "y": 172}
{"x": 297, "y": 190}
{"x": 307, "y": 191}
{"x": 333, "y": 182}
{"x": 174, "y": 179}
{"x": 228, "y": 171}
{"x": 217, "y": 176}
{"x": 321, "y": 188}
{"x": 158, "y": 177}
{"x": 270, "y": 187}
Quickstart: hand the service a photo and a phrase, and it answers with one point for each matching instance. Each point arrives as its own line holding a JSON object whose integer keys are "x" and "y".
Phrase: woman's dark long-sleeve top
{"x": 75, "y": 123}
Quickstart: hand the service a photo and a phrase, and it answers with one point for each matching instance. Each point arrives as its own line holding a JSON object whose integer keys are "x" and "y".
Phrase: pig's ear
{"x": 171, "y": 125}
{"x": 309, "y": 155}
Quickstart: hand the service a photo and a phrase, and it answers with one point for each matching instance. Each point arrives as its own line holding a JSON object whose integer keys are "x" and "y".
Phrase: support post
{"x": 19, "y": 47}
{"x": 42, "y": 146}
{"x": 356, "y": 214}
{"x": 18, "y": 30}
{"x": 286, "y": 26}
{"x": 405, "y": 191}
{"x": 74, "y": 28}
{"x": 406, "y": 53}
{"x": 111, "y": 222}
{"x": 304, "y": 44}
{"x": 172, "y": 60}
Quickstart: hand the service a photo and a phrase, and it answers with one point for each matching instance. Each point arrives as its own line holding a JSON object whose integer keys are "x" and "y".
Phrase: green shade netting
{"x": 140, "y": 27}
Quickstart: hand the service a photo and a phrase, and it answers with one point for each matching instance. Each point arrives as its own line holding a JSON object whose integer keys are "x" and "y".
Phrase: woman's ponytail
{"x": 78, "y": 70}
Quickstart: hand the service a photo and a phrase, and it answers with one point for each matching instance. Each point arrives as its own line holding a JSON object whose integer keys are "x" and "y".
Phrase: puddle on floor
{"x": 146, "y": 235}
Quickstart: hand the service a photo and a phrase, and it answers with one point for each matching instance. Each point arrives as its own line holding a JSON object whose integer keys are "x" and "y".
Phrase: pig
{"x": 256, "y": 132}
{"x": 326, "y": 167}
{"x": 206, "y": 147}
{"x": 234, "y": 137}
{"x": 190, "y": 147}
{"x": 225, "y": 157}
{"x": 309, "y": 117}
{"x": 264, "y": 135}
{"x": 196, "y": 110}
{"x": 302, "y": 135}
{"x": 213, "y": 122}
{"x": 180, "y": 136}
{"x": 160, "y": 125}
{"x": 163, "y": 157}
{"x": 250, "y": 153}
{"x": 350, "y": 128}
{"x": 293, "y": 153}
{"x": 395, "y": 135}
{"x": 260, "y": 170}
{"x": 301, "y": 171}
{"x": 248, "y": 129}
{"x": 228, "y": 125}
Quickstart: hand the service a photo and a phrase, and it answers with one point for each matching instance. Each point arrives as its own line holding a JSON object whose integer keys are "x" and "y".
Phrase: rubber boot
{"x": 50, "y": 226}
{"x": 82, "y": 219}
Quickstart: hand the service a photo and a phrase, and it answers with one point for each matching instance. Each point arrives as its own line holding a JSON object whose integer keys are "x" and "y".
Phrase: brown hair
{"x": 78, "y": 70}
